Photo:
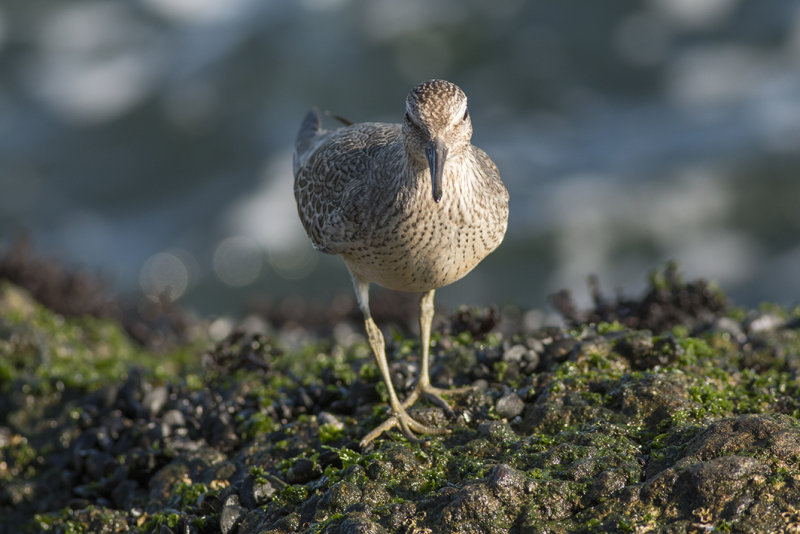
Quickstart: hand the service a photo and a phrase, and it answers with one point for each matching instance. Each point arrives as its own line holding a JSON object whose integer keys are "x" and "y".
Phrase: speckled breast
{"x": 419, "y": 253}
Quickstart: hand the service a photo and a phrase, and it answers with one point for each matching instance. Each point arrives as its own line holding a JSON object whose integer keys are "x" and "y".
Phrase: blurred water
{"x": 151, "y": 139}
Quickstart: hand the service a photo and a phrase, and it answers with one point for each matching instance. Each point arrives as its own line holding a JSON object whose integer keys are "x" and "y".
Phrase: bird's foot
{"x": 435, "y": 394}
{"x": 406, "y": 424}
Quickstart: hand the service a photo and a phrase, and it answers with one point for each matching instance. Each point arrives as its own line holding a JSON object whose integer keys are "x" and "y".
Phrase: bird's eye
{"x": 466, "y": 115}
{"x": 408, "y": 118}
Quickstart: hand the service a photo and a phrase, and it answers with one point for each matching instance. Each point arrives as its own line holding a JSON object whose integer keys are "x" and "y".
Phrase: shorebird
{"x": 411, "y": 207}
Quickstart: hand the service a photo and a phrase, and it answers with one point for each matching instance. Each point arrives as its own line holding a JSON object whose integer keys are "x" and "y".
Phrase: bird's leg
{"x": 399, "y": 417}
{"x": 424, "y": 386}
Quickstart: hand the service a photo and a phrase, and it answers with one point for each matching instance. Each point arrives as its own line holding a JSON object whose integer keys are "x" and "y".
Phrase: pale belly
{"x": 425, "y": 256}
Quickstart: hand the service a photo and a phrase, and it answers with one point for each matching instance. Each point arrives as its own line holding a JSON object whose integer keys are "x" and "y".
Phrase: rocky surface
{"x": 669, "y": 413}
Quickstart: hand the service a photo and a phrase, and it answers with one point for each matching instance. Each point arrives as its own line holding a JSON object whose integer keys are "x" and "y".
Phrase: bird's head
{"x": 436, "y": 125}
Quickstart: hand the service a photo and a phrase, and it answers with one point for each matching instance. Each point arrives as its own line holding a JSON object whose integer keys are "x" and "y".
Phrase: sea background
{"x": 150, "y": 141}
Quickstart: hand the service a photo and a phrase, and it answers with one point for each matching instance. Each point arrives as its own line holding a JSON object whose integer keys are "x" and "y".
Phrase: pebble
{"x": 514, "y": 353}
{"x": 123, "y": 494}
{"x": 509, "y": 406}
{"x": 255, "y": 494}
{"x": 327, "y": 418}
{"x": 507, "y": 481}
{"x": 301, "y": 472}
{"x": 155, "y": 399}
{"x": 763, "y": 322}
{"x": 232, "y": 513}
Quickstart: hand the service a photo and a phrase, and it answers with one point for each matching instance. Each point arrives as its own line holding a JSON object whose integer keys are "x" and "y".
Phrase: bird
{"x": 410, "y": 206}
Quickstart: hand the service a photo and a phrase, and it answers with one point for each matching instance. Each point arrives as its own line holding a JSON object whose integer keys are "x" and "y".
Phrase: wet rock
{"x": 530, "y": 361}
{"x": 327, "y": 418}
{"x": 128, "y": 397}
{"x": 379, "y": 470}
{"x": 553, "y": 411}
{"x": 717, "y": 473}
{"x": 218, "y": 430}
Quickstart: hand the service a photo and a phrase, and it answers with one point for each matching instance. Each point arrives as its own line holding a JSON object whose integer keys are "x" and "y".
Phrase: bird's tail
{"x": 308, "y": 131}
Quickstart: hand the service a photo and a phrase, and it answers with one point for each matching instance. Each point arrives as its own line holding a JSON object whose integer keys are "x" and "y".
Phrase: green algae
{"x": 43, "y": 353}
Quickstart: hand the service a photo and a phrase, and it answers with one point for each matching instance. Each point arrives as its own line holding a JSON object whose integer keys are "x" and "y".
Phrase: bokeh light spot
{"x": 294, "y": 263}
{"x": 238, "y": 261}
{"x": 164, "y": 276}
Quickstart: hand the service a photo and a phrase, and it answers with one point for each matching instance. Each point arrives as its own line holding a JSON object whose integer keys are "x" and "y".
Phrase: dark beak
{"x": 436, "y": 152}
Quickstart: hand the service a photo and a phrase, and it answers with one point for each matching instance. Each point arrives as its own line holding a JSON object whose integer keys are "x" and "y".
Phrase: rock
{"x": 473, "y": 508}
{"x": 301, "y": 472}
{"x": 232, "y": 513}
{"x": 717, "y": 474}
{"x": 508, "y": 484}
{"x": 509, "y": 406}
{"x": 254, "y": 493}
{"x": 747, "y": 434}
{"x": 500, "y": 431}
{"x": 558, "y": 350}
{"x": 252, "y": 523}
{"x": 358, "y": 525}
{"x": 720, "y": 481}
{"x": 341, "y": 496}
{"x": 763, "y": 322}
{"x": 645, "y": 352}
{"x": 123, "y": 493}
{"x": 515, "y": 353}
{"x": 651, "y": 397}
{"x": 604, "y": 484}
{"x": 173, "y": 419}
{"x": 98, "y": 464}
{"x": 154, "y": 400}
{"x": 617, "y": 429}
{"x": 327, "y": 418}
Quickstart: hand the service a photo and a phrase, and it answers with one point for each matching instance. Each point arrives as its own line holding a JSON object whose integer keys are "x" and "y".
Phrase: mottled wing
{"x": 332, "y": 171}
